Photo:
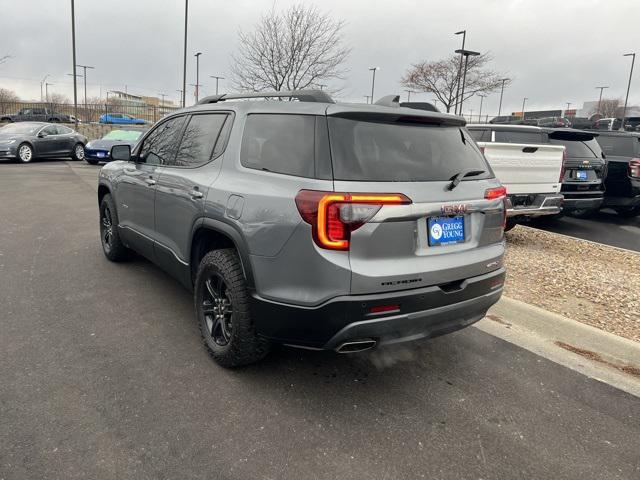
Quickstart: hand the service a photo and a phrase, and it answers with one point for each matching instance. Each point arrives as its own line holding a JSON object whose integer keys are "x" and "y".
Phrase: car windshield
{"x": 125, "y": 135}
{"x": 20, "y": 128}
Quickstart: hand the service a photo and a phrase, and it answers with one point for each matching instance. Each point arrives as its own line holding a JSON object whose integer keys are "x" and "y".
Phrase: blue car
{"x": 121, "y": 119}
{"x": 100, "y": 150}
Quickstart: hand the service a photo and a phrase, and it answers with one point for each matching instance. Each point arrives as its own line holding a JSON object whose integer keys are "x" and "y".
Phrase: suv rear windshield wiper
{"x": 467, "y": 172}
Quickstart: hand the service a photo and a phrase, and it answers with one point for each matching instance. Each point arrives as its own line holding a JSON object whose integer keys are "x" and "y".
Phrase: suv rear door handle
{"x": 195, "y": 194}
{"x": 150, "y": 181}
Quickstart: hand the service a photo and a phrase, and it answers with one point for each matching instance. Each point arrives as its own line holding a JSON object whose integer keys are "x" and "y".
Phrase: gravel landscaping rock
{"x": 591, "y": 283}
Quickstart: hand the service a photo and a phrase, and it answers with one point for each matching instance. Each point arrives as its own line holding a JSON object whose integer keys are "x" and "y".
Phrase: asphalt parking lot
{"x": 605, "y": 226}
{"x": 103, "y": 376}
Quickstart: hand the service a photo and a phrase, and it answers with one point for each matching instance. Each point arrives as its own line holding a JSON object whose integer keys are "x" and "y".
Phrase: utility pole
{"x": 46, "y": 90}
{"x": 73, "y": 46}
{"x": 568, "y": 106}
{"x": 464, "y": 38}
{"x": 41, "y": 85}
{"x": 162, "y": 95}
{"x": 84, "y": 67}
{"x": 467, "y": 54}
{"x": 217, "y": 78}
{"x": 481, "y": 100}
{"x": 501, "y": 92}
{"x": 600, "y": 99}
{"x": 197, "y": 55}
{"x": 181, "y": 96}
{"x": 367, "y": 98}
{"x": 626, "y": 99}
{"x": 373, "y": 81}
{"x": 408, "y": 95}
{"x": 184, "y": 65}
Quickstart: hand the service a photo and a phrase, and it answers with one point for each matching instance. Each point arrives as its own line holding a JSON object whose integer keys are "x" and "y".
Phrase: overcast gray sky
{"x": 557, "y": 51}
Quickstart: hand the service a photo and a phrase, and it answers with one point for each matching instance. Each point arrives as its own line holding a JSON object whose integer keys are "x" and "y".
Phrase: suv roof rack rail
{"x": 318, "y": 96}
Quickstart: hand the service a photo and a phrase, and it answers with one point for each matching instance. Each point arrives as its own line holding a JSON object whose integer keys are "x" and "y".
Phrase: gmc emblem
{"x": 454, "y": 209}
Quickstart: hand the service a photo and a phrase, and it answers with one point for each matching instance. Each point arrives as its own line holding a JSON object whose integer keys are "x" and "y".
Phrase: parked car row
{"x": 592, "y": 170}
{"x": 43, "y": 114}
{"x": 631, "y": 124}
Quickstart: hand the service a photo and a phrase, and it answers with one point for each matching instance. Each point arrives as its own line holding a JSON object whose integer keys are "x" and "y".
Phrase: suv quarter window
{"x": 200, "y": 136}
{"x": 161, "y": 145}
{"x": 280, "y": 143}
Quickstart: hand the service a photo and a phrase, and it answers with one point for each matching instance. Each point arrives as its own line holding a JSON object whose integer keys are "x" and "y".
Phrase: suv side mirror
{"x": 121, "y": 152}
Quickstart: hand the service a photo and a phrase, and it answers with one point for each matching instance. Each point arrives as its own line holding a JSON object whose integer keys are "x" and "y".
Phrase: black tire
{"x": 25, "y": 153}
{"x": 510, "y": 225}
{"x": 628, "y": 212}
{"x": 222, "y": 311}
{"x": 78, "y": 152}
{"x": 112, "y": 245}
{"x": 91, "y": 161}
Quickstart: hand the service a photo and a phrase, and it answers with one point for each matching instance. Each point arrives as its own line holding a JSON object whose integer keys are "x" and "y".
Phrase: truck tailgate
{"x": 524, "y": 168}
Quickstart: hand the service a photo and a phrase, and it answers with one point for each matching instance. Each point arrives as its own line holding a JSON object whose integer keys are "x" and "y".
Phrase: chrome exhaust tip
{"x": 356, "y": 346}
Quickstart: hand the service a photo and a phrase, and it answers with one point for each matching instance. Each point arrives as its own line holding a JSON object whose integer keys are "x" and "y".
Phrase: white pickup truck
{"x": 527, "y": 165}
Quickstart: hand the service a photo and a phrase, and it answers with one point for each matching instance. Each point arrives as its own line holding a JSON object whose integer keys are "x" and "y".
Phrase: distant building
{"x": 125, "y": 98}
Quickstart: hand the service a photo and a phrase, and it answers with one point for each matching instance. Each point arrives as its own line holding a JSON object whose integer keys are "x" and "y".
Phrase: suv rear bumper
{"x": 571, "y": 204}
{"x": 424, "y": 312}
{"x": 542, "y": 204}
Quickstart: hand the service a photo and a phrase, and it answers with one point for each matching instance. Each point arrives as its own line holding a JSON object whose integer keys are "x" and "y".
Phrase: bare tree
{"x": 58, "y": 98}
{"x": 7, "y": 100}
{"x": 298, "y": 48}
{"x": 4, "y": 58}
{"x": 609, "y": 107}
{"x": 441, "y": 78}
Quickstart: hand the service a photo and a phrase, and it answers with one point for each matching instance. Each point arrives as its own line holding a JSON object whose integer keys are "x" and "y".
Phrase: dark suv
{"x": 311, "y": 223}
{"x": 623, "y": 175}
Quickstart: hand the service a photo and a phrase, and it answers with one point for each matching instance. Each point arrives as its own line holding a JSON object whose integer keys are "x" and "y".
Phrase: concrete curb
{"x": 589, "y": 350}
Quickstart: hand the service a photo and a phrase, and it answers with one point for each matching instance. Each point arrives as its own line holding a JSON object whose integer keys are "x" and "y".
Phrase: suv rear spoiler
{"x": 570, "y": 134}
{"x": 317, "y": 96}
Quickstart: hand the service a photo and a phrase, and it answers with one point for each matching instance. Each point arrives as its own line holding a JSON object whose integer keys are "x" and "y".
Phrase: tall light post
{"x": 84, "y": 67}
{"x": 480, "y": 113}
{"x": 42, "y": 85}
{"x": 162, "y": 95}
{"x": 197, "y": 55}
{"x": 408, "y": 95}
{"x": 367, "y": 98}
{"x": 466, "y": 54}
{"x": 181, "y": 95}
{"x": 373, "y": 80}
{"x": 524, "y": 100}
{"x": 501, "y": 92}
{"x": 184, "y": 64}
{"x": 217, "y": 78}
{"x": 626, "y": 99}
{"x": 321, "y": 85}
{"x": 73, "y": 46}
{"x": 568, "y": 107}
{"x": 46, "y": 90}
{"x": 464, "y": 38}
{"x": 600, "y": 99}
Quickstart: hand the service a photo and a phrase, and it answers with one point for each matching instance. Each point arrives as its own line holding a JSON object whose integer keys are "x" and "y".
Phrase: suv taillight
{"x": 495, "y": 193}
{"x": 334, "y": 215}
{"x": 562, "y": 169}
{"x": 634, "y": 168}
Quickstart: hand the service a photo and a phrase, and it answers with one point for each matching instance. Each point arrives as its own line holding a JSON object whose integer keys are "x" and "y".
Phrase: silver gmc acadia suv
{"x": 311, "y": 223}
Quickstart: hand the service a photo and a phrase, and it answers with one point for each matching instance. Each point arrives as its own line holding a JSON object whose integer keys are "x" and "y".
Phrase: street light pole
{"x": 197, "y": 55}
{"x": 481, "y": 99}
{"x": 524, "y": 100}
{"x": 84, "y": 67}
{"x": 41, "y": 85}
{"x": 73, "y": 46}
{"x": 46, "y": 90}
{"x": 181, "y": 95}
{"x": 501, "y": 92}
{"x": 373, "y": 80}
{"x": 162, "y": 95}
{"x": 600, "y": 99}
{"x": 568, "y": 106}
{"x": 464, "y": 38}
{"x": 217, "y": 78}
{"x": 408, "y": 95}
{"x": 626, "y": 99}
{"x": 367, "y": 98}
{"x": 184, "y": 64}
{"x": 467, "y": 54}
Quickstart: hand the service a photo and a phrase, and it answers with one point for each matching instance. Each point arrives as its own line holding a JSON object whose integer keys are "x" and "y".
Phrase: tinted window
{"x": 198, "y": 140}
{"x": 50, "y": 130}
{"x": 519, "y": 137}
{"x": 160, "y": 147}
{"x": 63, "y": 130}
{"x": 279, "y": 143}
{"x": 618, "y": 146}
{"x": 584, "y": 149}
{"x": 400, "y": 152}
{"x": 483, "y": 135}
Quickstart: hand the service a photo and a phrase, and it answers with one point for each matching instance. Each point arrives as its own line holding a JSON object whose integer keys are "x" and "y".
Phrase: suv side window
{"x": 160, "y": 146}
{"x": 280, "y": 143}
{"x": 198, "y": 140}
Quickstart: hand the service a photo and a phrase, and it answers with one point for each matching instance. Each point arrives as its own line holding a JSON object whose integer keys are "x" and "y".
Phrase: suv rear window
{"x": 579, "y": 149}
{"x": 619, "y": 145}
{"x": 401, "y": 152}
{"x": 280, "y": 144}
